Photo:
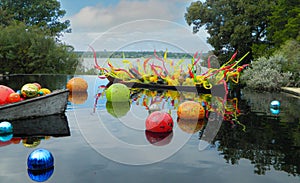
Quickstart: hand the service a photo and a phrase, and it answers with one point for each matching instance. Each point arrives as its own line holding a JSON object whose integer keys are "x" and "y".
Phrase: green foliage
{"x": 284, "y": 22}
{"x": 28, "y": 50}
{"x": 261, "y": 50}
{"x": 232, "y": 24}
{"x": 267, "y": 74}
{"x": 43, "y": 14}
{"x": 29, "y": 32}
{"x": 291, "y": 51}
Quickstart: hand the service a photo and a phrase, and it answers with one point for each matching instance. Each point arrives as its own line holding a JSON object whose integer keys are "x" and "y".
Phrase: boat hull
{"x": 54, "y": 103}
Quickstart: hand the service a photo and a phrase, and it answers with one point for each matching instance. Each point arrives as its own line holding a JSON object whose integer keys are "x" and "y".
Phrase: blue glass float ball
{"x": 275, "y": 111}
{"x": 275, "y": 104}
{"x": 40, "y": 159}
{"x": 6, "y": 127}
{"x": 6, "y": 137}
{"x": 40, "y": 176}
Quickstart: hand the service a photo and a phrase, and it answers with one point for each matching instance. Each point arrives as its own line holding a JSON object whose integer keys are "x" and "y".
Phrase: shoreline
{"x": 291, "y": 90}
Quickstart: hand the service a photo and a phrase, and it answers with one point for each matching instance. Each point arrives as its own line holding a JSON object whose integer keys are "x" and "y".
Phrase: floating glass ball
{"x": 117, "y": 92}
{"x": 6, "y": 127}
{"x": 159, "y": 121}
{"x": 190, "y": 110}
{"x": 40, "y": 159}
{"x": 275, "y": 104}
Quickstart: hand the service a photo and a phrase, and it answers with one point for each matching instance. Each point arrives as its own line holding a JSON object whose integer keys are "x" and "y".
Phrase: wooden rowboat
{"x": 53, "y": 103}
{"x": 218, "y": 90}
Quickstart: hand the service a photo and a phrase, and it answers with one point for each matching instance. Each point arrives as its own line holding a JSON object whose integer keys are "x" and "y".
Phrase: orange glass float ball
{"x": 13, "y": 97}
{"x": 77, "y": 84}
{"x": 191, "y": 110}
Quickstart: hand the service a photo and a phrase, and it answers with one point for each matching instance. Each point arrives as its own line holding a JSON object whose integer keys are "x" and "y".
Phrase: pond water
{"x": 240, "y": 140}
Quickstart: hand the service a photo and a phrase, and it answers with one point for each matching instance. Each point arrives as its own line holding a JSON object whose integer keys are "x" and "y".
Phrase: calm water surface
{"x": 252, "y": 144}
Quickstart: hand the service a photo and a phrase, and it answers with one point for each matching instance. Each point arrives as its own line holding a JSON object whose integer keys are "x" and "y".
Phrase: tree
{"x": 291, "y": 51}
{"x": 27, "y": 50}
{"x": 232, "y": 24}
{"x": 29, "y": 38}
{"x": 44, "y": 14}
{"x": 284, "y": 22}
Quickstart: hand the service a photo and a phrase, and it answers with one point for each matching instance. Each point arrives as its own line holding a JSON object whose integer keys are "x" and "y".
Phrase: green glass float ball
{"x": 29, "y": 90}
{"x": 117, "y": 92}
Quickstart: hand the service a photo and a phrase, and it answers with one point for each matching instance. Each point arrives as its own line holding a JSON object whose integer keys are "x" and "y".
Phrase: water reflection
{"x": 190, "y": 126}
{"x": 248, "y": 131}
{"x": 40, "y": 176}
{"x": 269, "y": 141}
{"x": 117, "y": 109}
{"x": 158, "y": 139}
{"x": 78, "y": 97}
{"x": 266, "y": 143}
{"x": 32, "y": 131}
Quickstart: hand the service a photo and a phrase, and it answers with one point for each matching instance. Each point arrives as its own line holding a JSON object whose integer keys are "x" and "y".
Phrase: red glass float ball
{"x": 160, "y": 122}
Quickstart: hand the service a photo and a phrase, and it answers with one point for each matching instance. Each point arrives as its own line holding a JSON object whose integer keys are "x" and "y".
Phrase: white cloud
{"x": 130, "y": 21}
{"x": 100, "y": 18}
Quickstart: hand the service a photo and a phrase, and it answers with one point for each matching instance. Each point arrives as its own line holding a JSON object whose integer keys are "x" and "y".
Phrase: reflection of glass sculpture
{"x": 40, "y": 176}
{"x": 117, "y": 109}
{"x": 33, "y": 131}
{"x": 275, "y": 111}
{"x": 158, "y": 139}
{"x": 190, "y": 126}
{"x": 6, "y": 137}
{"x": 31, "y": 142}
{"x": 78, "y": 97}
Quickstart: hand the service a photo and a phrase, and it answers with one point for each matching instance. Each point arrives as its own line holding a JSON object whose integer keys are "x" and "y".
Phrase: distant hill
{"x": 133, "y": 54}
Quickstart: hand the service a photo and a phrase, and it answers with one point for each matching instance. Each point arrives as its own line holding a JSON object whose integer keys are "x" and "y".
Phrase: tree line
{"x": 268, "y": 29}
{"x": 30, "y": 32}
{"x": 134, "y": 54}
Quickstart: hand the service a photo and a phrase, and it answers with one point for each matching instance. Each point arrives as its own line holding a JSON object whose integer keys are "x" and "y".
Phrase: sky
{"x": 140, "y": 25}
